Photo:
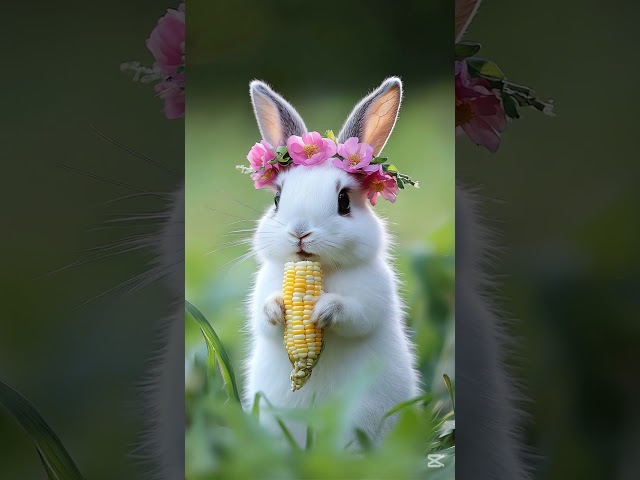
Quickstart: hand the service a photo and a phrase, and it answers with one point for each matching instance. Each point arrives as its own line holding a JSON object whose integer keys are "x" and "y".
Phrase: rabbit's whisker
{"x": 132, "y": 152}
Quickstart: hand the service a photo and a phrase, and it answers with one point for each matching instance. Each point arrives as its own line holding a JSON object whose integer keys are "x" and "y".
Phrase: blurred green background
{"x": 79, "y": 364}
{"x": 323, "y": 59}
{"x": 562, "y": 195}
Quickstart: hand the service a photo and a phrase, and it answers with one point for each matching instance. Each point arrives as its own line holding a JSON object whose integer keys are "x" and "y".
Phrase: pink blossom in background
{"x": 380, "y": 183}
{"x": 357, "y": 157}
{"x": 166, "y": 42}
{"x": 479, "y": 110}
{"x": 310, "y": 149}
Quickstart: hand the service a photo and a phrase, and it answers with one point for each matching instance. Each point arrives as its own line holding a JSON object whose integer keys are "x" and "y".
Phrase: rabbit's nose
{"x": 299, "y": 235}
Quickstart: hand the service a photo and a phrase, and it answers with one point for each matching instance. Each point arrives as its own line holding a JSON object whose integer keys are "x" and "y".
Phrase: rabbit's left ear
{"x": 373, "y": 119}
{"x": 277, "y": 119}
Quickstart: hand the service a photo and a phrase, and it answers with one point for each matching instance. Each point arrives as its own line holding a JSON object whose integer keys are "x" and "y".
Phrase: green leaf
{"x": 465, "y": 49}
{"x": 255, "y": 410}
{"x": 283, "y": 427}
{"x": 510, "y": 107}
{"x": 486, "y": 68}
{"x": 364, "y": 440}
{"x": 409, "y": 403}
{"x": 378, "y": 160}
{"x": 447, "y": 382}
{"x": 309, "y": 442}
{"x": 282, "y": 149}
{"x": 400, "y": 183}
{"x": 215, "y": 347}
{"x": 329, "y": 134}
{"x": 56, "y": 460}
{"x": 406, "y": 179}
{"x": 392, "y": 169}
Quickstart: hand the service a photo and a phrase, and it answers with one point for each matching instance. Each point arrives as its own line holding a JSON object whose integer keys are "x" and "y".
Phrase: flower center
{"x": 464, "y": 112}
{"x": 377, "y": 185}
{"x": 310, "y": 150}
{"x": 354, "y": 159}
{"x": 268, "y": 174}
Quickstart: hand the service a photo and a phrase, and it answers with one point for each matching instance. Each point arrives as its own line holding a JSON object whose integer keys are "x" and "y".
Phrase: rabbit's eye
{"x": 276, "y": 200}
{"x": 343, "y": 202}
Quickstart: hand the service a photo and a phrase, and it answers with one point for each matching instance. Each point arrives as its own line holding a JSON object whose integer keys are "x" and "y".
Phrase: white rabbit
{"x": 321, "y": 214}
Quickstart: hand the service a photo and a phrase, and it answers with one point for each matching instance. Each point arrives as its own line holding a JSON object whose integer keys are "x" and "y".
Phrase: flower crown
{"x": 485, "y": 99}
{"x": 377, "y": 176}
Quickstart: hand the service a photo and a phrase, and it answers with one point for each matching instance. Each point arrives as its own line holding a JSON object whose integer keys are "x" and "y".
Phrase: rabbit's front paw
{"x": 274, "y": 309}
{"x": 327, "y": 308}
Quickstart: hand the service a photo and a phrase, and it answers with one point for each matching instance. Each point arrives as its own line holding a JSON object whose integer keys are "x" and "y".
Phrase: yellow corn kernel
{"x": 301, "y": 287}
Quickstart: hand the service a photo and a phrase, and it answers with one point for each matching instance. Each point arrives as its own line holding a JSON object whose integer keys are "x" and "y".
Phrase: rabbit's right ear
{"x": 277, "y": 119}
{"x": 373, "y": 119}
{"x": 465, "y": 11}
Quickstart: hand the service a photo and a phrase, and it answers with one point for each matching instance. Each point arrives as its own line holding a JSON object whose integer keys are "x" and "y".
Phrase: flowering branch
{"x": 485, "y": 99}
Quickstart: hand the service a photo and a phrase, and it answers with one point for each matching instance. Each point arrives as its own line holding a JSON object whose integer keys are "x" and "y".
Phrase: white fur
{"x": 369, "y": 329}
{"x": 489, "y": 418}
{"x": 164, "y": 398}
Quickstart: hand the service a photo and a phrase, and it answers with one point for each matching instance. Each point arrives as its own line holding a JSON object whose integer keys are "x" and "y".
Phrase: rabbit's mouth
{"x": 304, "y": 254}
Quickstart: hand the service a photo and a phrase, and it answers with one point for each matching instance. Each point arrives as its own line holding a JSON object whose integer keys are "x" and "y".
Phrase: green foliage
{"x": 223, "y": 441}
{"x": 56, "y": 460}
{"x": 216, "y": 352}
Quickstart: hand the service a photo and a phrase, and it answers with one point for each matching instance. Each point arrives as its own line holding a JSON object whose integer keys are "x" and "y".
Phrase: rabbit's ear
{"x": 465, "y": 11}
{"x": 373, "y": 119}
{"x": 277, "y": 119}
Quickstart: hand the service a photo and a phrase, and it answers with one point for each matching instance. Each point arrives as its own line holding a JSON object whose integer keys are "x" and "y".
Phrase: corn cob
{"x": 301, "y": 287}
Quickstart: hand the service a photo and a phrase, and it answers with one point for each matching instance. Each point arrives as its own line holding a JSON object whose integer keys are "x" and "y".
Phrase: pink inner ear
{"x": 269, "y": 120}
{"x": 380, "y": 119}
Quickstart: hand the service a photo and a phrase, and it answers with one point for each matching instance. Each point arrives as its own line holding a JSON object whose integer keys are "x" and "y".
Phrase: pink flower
{"x": 380, "y": 183}
{"x": 479, "y": 110}
{"x": 264, "y": 178}
{"x": 259, "y": 157}
{"x": 310, "y": 149}
{"x": 261, "y": 154}
{"x": 357, "y": 157}
{"x": 166, "y": 41}
{"x": 172, "y": 91}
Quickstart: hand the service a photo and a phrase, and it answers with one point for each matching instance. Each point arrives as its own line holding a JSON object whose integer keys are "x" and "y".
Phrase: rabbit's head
{"x": 321, "y": 212}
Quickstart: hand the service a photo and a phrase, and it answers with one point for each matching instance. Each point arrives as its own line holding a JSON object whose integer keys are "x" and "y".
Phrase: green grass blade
{"x": 283, "y": 427}
{"x": 215, "y": 347}
{"x": 401, "y": 406}
{"x": 364, "y": 440}
{"x": 447, "y": 382}
{"x": 287, "y": 434}
{"x": 56, "y": 460}
{"x": 309, "y": 442}
{"x": 256, "y": 405}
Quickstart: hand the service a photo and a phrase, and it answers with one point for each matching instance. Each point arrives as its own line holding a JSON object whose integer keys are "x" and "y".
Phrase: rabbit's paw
{"x": 274, "y": 309}
{"x": 327, "y": 308}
